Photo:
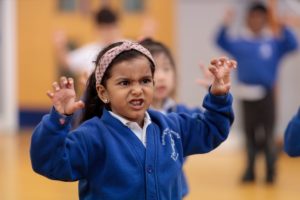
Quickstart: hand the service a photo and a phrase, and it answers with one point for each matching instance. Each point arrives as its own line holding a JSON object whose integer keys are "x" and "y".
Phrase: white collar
{"x": 126, "y": 122}
{"x": 141, "y": 133}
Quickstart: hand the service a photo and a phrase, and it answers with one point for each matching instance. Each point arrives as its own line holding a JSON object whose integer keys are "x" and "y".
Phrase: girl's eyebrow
{"x": 126, "y": 78}
{"x": 147, "y": 76}
{"x": 121, "y": 78}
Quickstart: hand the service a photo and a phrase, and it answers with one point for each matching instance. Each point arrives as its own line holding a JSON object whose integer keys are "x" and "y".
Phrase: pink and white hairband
{"x": 108, "y": 57}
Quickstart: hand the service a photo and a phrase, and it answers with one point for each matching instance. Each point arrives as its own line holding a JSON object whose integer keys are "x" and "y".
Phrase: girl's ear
{"x": 102, "y": 93}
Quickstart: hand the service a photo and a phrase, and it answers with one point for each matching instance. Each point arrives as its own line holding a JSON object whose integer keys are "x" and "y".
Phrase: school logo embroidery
{"x": 265, "y": 51}
{"x": 171, "y": 134}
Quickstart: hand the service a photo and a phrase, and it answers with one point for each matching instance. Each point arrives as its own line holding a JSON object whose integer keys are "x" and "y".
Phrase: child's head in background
{"x": 107, "y": 27}
{"x": 121, "y": 82}
{"x": 257, "y": 17}
{"x": 165, "y": 72}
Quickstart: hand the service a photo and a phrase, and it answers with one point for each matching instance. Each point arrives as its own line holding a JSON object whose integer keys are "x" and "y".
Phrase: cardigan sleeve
{"x": 292, "y": 136}
{"x": 287, "y": 41}
{"x": 57, "y": 153}
{"x": 224, "y": 41}
{"x": 203, "y": 132}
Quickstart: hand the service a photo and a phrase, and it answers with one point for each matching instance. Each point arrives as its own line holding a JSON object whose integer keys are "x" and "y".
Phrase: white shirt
{"x": 82, "y": 59}
{"x": 134, "y": 127}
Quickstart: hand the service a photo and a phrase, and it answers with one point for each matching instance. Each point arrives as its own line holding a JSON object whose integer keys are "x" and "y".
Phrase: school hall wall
{"x": 36, "y": 23}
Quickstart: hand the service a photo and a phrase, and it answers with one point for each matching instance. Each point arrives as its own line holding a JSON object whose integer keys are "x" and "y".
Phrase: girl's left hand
{"x": 221, "y": 68}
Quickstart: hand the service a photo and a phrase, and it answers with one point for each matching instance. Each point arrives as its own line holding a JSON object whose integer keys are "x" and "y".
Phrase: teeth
{"x": 136, "y": 103}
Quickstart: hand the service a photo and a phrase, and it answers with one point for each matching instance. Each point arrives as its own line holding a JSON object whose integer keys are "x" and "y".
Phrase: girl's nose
{"x": 136, "y": 90}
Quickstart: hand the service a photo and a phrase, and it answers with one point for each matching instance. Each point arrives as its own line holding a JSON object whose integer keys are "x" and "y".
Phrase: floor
{"x": 213, "y": 176}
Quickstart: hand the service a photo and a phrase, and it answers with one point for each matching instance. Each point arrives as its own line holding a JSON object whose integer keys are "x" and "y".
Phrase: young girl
{"x": 122, "y": 150}
{"x": 165, "y": 86}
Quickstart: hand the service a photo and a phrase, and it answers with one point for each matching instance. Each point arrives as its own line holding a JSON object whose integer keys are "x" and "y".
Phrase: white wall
{"x": 197, "y": 23}
{"x": 8, "y": 111}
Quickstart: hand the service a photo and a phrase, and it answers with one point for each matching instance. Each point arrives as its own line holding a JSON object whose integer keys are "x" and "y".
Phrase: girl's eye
{"x": 146, "y": 81}
{"x": 124, "y": 83}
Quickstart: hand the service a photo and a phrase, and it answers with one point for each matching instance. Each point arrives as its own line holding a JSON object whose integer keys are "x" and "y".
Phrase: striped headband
{"x": 111, "y": 54}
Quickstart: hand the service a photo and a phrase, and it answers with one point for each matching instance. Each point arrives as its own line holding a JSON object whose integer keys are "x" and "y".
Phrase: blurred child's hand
{"x": 221, "y": 68}
{"x": 208, "y": 77}
{"x": 64, "y": 97}
{"x": 83, "y": 78}
{"x": 229, "y": 17}
{"x": 60, "y": 39}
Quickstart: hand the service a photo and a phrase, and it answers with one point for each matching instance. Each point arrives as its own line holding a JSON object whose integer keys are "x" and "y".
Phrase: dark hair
{"x": 93, "y": 104}
{"x": 105, "y": 16}
{"x": 156, "y": 47}
{"x": 257, "y": 6}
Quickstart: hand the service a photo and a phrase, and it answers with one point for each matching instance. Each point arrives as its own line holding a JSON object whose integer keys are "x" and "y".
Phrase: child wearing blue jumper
{"x": 258, "y": 54}
{"x": 292, "y": 136}
{"x": 165, "y": 86}
{"x": 123, "y": 150}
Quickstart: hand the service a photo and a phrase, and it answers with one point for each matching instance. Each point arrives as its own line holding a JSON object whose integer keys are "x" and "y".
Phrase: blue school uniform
{"x": 292, "y": 136}
{"x": 171, "y": 106}
{"x": 111, "y": 163}
{"x": 258, "y": 57}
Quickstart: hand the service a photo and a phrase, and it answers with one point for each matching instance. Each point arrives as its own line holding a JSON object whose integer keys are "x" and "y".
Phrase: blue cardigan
{"x": 111, "y": 163}
{"x": 258, "y": 58}
{"x": 292, "y": 136}
{"x": 181, "y": 108}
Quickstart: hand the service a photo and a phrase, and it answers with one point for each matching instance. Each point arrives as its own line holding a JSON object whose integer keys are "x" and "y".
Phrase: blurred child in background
{"x": 258, "y": 52}
{"x": 80, "y": 60}
{"x": 165, "y": 86}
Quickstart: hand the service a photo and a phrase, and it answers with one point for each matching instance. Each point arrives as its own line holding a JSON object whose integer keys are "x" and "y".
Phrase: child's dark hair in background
{"x": 258, "y": 7}
{"x": 156, "y": 47}
{"x": 105, "y": 16}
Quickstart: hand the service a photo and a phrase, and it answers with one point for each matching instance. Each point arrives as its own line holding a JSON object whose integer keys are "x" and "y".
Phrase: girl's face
{"x": 129, "y": 89}
{"x": 164, "y": 77}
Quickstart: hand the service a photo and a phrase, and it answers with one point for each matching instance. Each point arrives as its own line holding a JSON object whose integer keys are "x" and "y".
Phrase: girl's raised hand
{"x": 221, "y": 68}
{"x": 64, "y": 97}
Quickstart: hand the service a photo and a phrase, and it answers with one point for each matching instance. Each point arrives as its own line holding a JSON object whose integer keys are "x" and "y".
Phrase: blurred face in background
{"x": 108, "y": 33}
{"x": 164, "y": 77}
{"x": 256, "y": 21}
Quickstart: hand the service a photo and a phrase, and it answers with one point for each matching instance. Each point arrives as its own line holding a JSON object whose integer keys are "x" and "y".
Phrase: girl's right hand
{"x": 64, "y": 97}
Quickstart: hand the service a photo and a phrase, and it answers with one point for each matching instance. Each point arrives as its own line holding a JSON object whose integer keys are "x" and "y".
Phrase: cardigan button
{"x": 152, "y": 197}
{"x": 62, "y": 121}
{"x": 149, "y": 169}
